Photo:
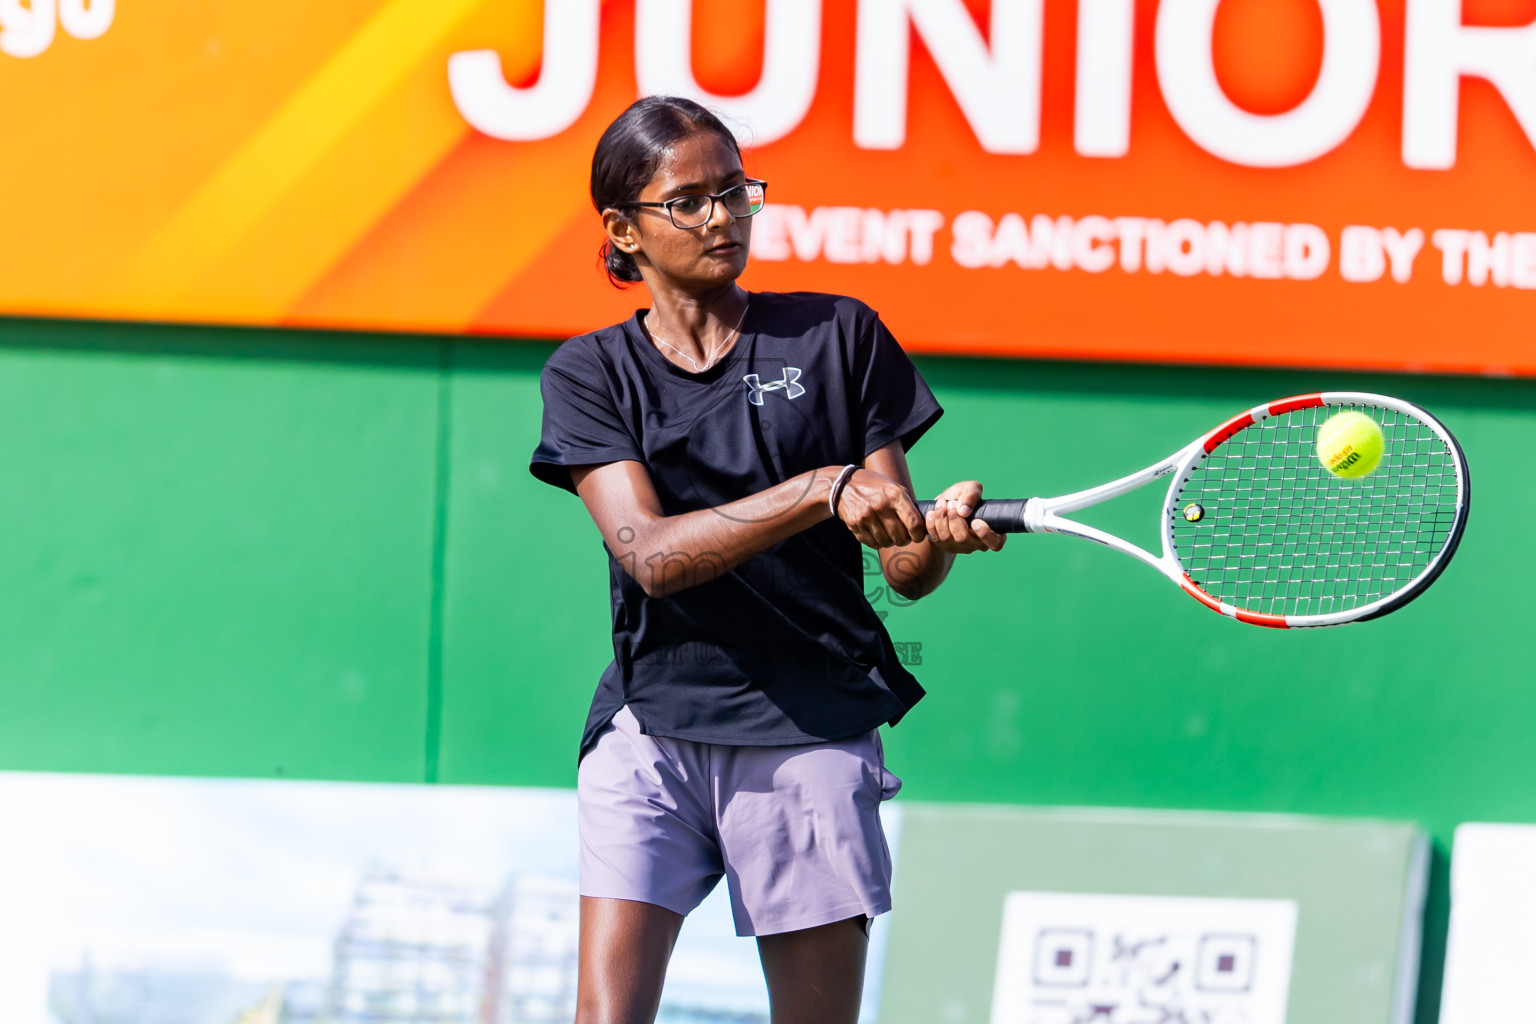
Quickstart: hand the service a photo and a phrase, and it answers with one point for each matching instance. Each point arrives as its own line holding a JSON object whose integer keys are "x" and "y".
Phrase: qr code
{"x": 1075, "y": 958}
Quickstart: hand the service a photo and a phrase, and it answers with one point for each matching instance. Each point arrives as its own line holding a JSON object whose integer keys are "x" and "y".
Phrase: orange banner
{"x": 1342, "y": 183}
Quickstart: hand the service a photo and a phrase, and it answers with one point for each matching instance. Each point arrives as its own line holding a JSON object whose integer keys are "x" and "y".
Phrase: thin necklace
{"x": 718, "y": 350}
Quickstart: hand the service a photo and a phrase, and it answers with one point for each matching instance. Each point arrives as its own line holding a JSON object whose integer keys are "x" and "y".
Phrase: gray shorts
{"x": 795, "y": 830}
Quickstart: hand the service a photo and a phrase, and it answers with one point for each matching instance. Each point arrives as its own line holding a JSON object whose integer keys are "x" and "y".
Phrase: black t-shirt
{"x": 784, "y": 648}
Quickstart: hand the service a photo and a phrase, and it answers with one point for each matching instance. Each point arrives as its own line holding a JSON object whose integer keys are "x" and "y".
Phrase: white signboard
{"x": 1492, "y": 944}
{"x": 212, "y": 901}
{"x": 1074, "y": 958}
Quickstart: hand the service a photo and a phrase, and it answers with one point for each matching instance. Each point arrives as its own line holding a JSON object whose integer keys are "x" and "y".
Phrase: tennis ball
{"x": 1349, "y": 444}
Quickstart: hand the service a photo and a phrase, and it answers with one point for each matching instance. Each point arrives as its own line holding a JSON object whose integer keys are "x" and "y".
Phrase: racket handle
{"x": 1004, "y": 515}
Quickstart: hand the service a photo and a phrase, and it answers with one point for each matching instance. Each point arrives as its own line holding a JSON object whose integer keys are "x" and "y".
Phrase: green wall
{"x": 249, "y": 553}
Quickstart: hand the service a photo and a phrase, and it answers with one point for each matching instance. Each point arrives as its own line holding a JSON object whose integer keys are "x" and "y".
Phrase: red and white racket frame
{"x": 1046, "y": 515}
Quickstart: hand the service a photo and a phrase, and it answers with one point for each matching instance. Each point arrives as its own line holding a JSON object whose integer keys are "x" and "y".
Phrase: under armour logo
{"x": 789, "y": 384}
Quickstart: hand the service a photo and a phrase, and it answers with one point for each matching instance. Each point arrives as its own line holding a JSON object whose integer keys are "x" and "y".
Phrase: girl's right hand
{"x": 879, "y": 512}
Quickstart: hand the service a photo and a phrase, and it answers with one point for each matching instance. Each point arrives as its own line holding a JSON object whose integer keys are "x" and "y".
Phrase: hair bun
{"x": 620, "y": 265}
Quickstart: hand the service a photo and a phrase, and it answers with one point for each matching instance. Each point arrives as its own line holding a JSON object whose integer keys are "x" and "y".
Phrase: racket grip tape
{"x": 1003, "y": 515}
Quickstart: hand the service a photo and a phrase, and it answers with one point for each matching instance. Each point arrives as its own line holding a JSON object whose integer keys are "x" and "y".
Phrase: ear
{"x": 622, "y": 231}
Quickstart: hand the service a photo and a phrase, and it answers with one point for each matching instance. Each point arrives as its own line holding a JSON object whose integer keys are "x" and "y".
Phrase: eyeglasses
{"x": 686, "y": 212}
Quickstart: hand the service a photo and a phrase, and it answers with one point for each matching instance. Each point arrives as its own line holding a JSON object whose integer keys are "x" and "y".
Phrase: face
{"x": 702, "y": 258}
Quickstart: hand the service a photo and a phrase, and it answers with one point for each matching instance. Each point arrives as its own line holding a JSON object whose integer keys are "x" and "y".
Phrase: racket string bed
{"x": 1279, "y": 534}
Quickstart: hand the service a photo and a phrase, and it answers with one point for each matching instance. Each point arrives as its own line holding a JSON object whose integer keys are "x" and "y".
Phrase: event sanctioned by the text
{"x": 1184, "y": 247}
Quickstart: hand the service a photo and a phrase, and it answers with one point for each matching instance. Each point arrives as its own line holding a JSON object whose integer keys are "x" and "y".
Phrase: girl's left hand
{"x": 951, "y": 527}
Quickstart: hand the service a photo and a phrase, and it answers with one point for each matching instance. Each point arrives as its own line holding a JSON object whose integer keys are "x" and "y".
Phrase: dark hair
{"x": 628, "y": 154}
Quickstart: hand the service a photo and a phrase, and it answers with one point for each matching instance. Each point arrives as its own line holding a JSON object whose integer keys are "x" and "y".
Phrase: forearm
{"x": 917, "y": 570}
{"x": 666, "y": 554}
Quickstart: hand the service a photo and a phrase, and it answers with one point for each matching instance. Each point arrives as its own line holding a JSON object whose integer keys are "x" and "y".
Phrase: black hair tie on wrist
{"x": 838, "y": 485}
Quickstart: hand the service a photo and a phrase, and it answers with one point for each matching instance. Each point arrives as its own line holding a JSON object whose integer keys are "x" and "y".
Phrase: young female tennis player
{"x": 734, "y": 450}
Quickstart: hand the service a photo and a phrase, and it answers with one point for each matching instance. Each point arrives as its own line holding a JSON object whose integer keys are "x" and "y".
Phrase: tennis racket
{"x": 1255, "y": 528}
